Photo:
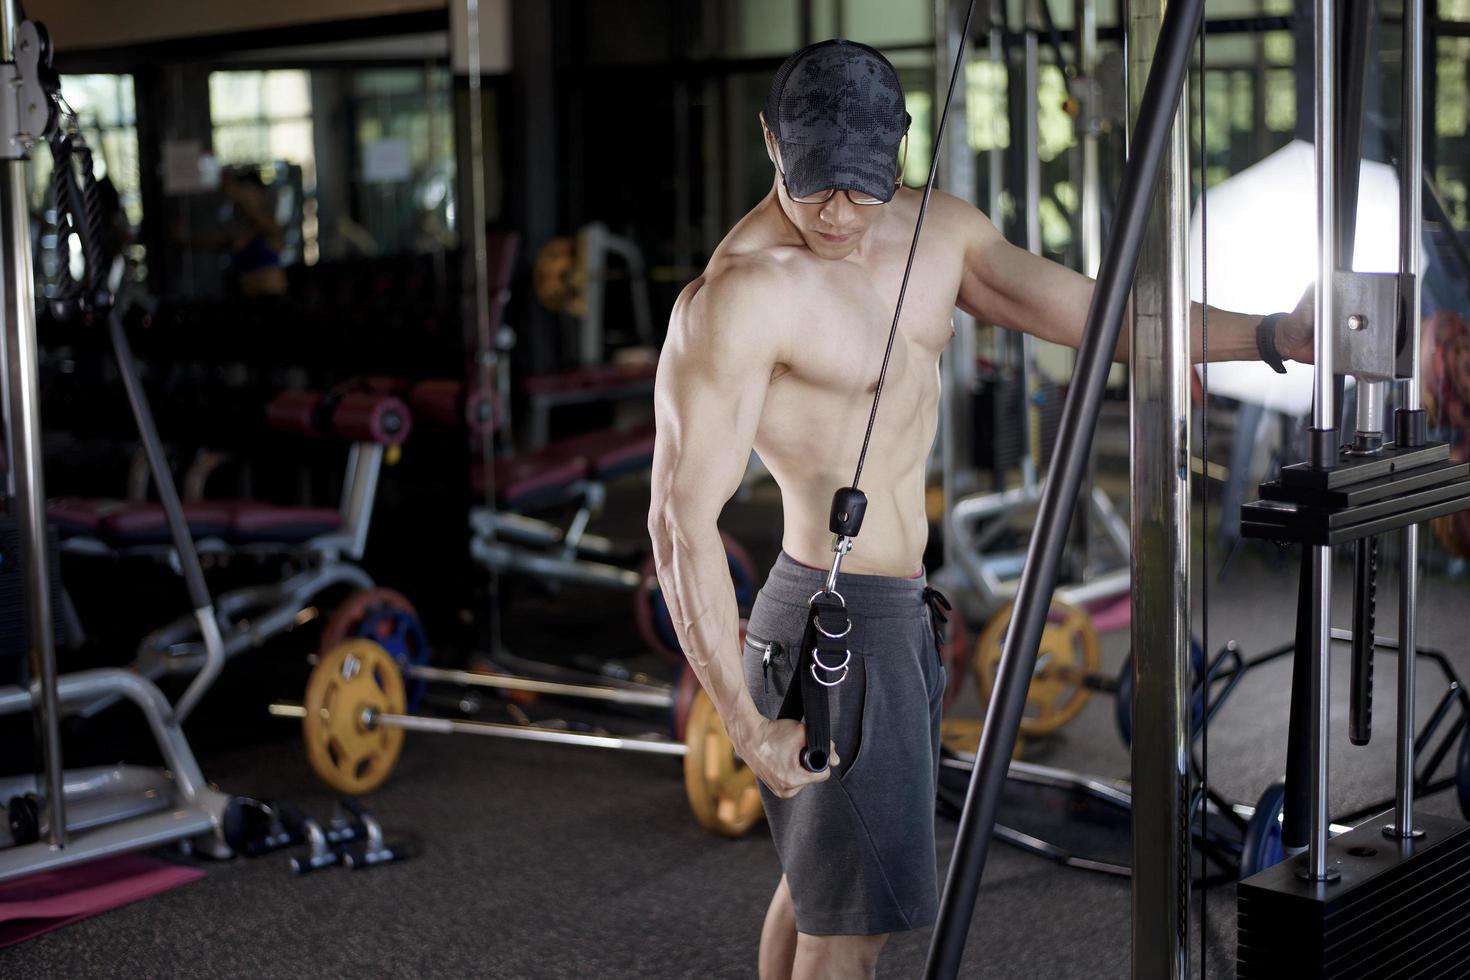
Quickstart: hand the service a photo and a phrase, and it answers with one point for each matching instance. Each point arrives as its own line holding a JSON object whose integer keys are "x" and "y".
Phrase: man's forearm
{"x": 694, "y": 576}
{"x": 1232, "y": 335}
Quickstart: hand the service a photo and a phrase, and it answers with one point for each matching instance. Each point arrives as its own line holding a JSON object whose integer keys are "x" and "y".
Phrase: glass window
{"x": 765, "y": 27}
{"x": 883, "y": 22}
{"x": 1454, "y": 10}
{"x": 261, "y": 120}
{"x": 403, "y": 180}
{"x": 263, "y": 116}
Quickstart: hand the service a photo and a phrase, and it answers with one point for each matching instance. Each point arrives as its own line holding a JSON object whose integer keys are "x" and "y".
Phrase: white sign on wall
{"x": 385, "y": 161}
{"x": 187, "y": 169}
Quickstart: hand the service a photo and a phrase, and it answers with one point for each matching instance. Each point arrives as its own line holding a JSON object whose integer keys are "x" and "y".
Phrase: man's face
{"x": 832, "y": 229}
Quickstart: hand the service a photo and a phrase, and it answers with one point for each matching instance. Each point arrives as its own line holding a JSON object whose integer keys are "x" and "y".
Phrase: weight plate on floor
{"x": 350, "y": 682}
{"x": 1068, "y": 654}
{"x": 1261, "y": 847}
{"x": 389, "y": 620}
{"x": 956, "y": 650}
{"x": 722, "y": 790}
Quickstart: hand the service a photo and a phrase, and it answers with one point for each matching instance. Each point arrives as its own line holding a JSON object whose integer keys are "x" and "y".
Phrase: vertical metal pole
{"x": 1410, "y": 261}
{"x": 1089, "y": 224}
{"x": 487, "y": 354}
{"x": 1031, "y": 142}
{"x": 957, "y": 176}
{"x": 1159, "y": 367}
{"x": 1091, "y": 204}
{"x": 24, "y": 444}
{"x": 995, "y": 53}
{"x": 1324, "y": 443}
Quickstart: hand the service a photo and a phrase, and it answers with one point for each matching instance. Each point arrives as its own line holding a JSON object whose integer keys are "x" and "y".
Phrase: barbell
{"x": 354, "y": 717}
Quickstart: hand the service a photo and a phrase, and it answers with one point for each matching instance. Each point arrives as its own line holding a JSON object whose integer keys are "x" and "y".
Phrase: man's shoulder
{"x": 736, "y": 282}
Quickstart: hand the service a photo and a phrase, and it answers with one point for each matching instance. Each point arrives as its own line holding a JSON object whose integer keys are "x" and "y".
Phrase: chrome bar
{"x": 500, "y": 557}
{"x": 653, "y": 745}
{"x": 1370, "y": 415}
{"x": 1325, "y": 324}
{"x": 138, "y": 834}
{"x": 1403, "y": 810}
{"x": 1091, "y": 204}
{"x": 214, "y": 664}
{"x": 1324, "y": 417}
{"x": 24, "y": 443}
{"x": 957, "y": 176}
{"x": 652, "y": 697}
{"x": 995, "y": 157}
{"x": 1320, "y": 683}
{"x": 1411, "y": 261}
{"x": 1031, "y": 86}
{"x": 1159, "y": 372}
{"x": 364, "y": 466}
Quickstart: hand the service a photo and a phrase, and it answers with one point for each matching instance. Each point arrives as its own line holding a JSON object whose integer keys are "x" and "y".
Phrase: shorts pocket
{"x": 767, "y": 672}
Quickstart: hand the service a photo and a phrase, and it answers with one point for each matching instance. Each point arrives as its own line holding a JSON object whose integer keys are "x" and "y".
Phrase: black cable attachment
{"x": 848, "y": 506}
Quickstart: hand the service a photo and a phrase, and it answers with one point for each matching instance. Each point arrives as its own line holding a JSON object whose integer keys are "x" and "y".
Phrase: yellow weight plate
{"x": 1068, "y": 653}
{"x": 351, "y": 682}
{"x": 722, "y": 790}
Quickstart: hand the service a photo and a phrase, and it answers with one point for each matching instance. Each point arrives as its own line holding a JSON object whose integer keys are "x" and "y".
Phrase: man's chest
{"x": 840, "y": 328}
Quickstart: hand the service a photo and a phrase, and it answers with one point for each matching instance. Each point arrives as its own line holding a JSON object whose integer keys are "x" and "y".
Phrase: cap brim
{"x": 869, "y": 168}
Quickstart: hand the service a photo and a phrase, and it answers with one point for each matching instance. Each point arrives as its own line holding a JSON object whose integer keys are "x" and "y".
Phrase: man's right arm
{"x": 723, "y": 345}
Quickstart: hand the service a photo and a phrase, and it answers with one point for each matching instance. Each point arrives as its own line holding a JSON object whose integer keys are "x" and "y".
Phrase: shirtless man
{"x": 777, "y": 347}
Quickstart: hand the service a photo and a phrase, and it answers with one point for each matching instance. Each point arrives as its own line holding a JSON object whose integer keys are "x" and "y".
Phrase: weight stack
{"x": 998, "y": 403}
{"x": 1400, "y": 909}
{"x": 998, "y": 425}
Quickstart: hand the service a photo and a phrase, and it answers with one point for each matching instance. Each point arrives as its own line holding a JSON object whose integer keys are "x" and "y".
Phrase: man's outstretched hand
{"x": 1294, "y": 331}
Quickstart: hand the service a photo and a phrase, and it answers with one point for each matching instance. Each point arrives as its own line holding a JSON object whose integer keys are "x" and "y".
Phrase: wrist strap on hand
{"x": 1266, "y": 342}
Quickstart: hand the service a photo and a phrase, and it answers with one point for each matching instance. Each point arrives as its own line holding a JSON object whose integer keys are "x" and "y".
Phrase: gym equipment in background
{"x": 60, "y": 818}
{"x": 570, "y": 276}
{"x": 322, "y": 547}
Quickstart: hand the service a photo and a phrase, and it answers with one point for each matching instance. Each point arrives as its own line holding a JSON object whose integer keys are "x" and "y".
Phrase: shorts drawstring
{"x": 938, "y": 605}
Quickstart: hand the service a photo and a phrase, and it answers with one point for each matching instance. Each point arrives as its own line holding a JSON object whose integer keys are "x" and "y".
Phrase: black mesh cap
{"x": 836, "y": 109}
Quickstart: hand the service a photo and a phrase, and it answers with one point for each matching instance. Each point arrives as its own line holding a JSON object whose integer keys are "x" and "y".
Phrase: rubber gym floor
{"x": 544, "y": 861}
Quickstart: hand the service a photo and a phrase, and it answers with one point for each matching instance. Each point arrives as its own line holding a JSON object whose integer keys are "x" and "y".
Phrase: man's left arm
{"x": 1010, "y": 287}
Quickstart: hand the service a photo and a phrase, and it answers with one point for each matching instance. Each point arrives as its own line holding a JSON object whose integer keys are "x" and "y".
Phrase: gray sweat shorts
{"x": 858, "y": 849}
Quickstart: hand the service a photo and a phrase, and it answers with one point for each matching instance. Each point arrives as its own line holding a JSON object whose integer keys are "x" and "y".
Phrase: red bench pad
{"x": 256, "y": 522}
{"x": 520, "y": 480}
{"x": 609, "y": 453}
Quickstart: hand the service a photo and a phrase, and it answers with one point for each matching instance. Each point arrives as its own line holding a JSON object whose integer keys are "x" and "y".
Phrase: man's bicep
{"x": 708, "y": 400}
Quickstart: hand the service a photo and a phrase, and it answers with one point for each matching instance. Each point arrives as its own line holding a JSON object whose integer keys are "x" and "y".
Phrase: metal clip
{"x": 829, "y": 683}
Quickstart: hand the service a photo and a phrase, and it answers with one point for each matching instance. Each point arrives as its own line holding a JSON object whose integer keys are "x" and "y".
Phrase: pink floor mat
{"x": 1115, "y": 615}
{"x": 39, "y": 903}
